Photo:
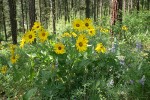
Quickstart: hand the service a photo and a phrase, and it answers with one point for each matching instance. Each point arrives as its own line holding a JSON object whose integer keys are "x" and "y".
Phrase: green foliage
{"x": 123, "y": 72}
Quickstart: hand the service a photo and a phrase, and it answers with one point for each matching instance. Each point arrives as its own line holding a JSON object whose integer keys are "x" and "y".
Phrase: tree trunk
{"x": 130, "y": 5}
{"x": 26, "y": 14}
{"x": 95, "y": 6}
{"x": 3, "y": 19}
{"x": 72, "y": 4}
{"x": 53, "y": 15}
{"x": 142, "y": 3}
{"x": 39, "y": 10}
{"x": 45, "y": 12}
{"x": 116, "y": 13}
{"x": 59, "y": 15}
{"x": 32, "y": 15}
{"x": 22, "y": 13}
{"x": 138, "y": 6}
{"x": 101, "y": 7}
{"x": 13, "y": 21}
{"x": 124, "y": 6}
{"x": 66, "y": 10}
{"x": 98, "y": 7}
{"x": 87, "y": 12}
{"x": 113, "y": 12}
{"x": 119, "y": 17}
{"x": 148, "y": 3}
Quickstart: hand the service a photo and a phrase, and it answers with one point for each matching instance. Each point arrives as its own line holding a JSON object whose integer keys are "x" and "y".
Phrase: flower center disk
{"x": 80, "y": 44}
{"x": 59, "y": 48}
{"x": 77, "y": 25}
{"x": 30, "y": 36}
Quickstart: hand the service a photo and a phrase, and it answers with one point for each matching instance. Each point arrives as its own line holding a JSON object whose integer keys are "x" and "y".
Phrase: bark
{"x": 116, "y": 13}
{"x": 66, "y": 10}
{"x": 98, "y": 8}
{"x": 130, "y": 5}
{"x": 142, "y": 3}
{"x": 87, "y": 12}
{"x": 138, "y": 6}
{"x": 22, "y": 13}
{"x": 119, "y": 17}
{"x": 26, "y": 14}
{"x": 45, "y": 13}
{"x": 148, "y": 3}
{"x": 59, "y": 15}
{"x": 101, "y": 7}
{"x": 32, "y": 15}
{"x": 13, "y": 21}
{"x": 124, "y": 6}
{"x": 39, "y": 10}
{"x": 113, "y": 12}
{"x": 53, "y": 15}
{"x": 95, "y": 6}
{"x": 72, "y": 4}
{"x": 3, "y": 20}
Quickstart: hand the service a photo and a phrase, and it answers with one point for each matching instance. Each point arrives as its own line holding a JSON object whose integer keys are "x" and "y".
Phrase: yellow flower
{"x": 66, "y": 34}
{"x": 43, "y": 35}
{"x": 124, "y": 28}
{"x": 30, "y": 36}
{"x": 22, "y": 42}
{"x": 104, "y": 30}
{"x": 91, "y": 27}
{"x": 83, "y": 36}
{"x": 12, "y": 48}
{"x": 78, "y": 24}
{"x": 59, "y": 48}
{"x": 74, "y": 34}
{"x": 100, "y": 48}
{"x": 91, "y": 32}
{"x": 14, "y": 58}
{"x": 36, "y": 26}
{"x": 81, "y": 44}
{"x": 3, "y": 69}
{"x": 87, "y": 22}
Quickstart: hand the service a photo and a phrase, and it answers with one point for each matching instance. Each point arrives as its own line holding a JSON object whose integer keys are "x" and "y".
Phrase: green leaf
{"x": 29, "y": 94}
{"x": 85, "y": 62}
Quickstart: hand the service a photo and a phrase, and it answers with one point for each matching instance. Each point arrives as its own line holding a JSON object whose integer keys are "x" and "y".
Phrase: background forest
{"x": 74, "y": 49}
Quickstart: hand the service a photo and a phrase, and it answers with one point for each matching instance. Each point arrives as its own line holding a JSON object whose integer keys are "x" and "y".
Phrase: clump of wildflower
{"x": 59, "y": 48}
{"x": 74, "y": 34}
{"x": 37, "y": 26}
{"x": 87, "y": 22}
{"x": 4, "y": 69}
{"x": 142, "y": 80}
{"x": 124, "y": 28}
{"x": 104, "y": 30}
{"x": 138, "y": 46}
{"x": 66, "y": 34}
{"x": 22, "y": 42}
{"x": 121, "y": 59}
{"x": 81, "y": 43}
{"x": 12, "y": 48}
{"x": 14, "y": 58}
{"x": 91, "y": 32}
{"x": 100, "y": 48}
{"x": 43, "y": 35}
{"x": 78, "y": 24}
{"x": 30, "y": 36}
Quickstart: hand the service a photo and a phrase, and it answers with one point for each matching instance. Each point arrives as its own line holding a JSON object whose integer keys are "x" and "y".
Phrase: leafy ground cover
{"x": 79, "y": 63}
